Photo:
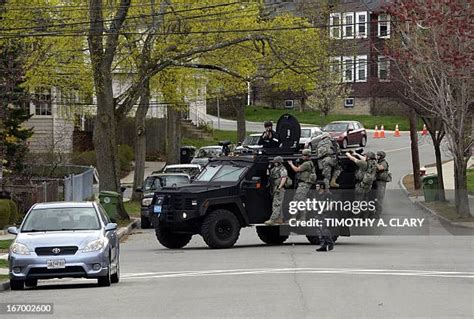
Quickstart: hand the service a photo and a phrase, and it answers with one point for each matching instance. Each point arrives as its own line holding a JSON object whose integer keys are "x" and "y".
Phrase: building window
{"x": 42, "y": 103}
{"x": 384, "y": 26}
{"x": 361, "y": 68}
{"x": 348, "y": 69}
{"x": 335, "y": 66}
{"x": 383, "y": 66}
{"x": 361, "y": 24}
{"x": 335, "y": 25}
{"x": 348, "y": 25}
{"x": 289, "y": 104}
{"x": 349, "y": 102}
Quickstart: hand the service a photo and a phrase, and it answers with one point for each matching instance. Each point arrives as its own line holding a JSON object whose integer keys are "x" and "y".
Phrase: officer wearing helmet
{"x": 278, "y": 179}
{"x": 269, "y": 138}
{"x": 382, "y": 177}
{"x": 305, "y": 178}
{"x": 365, "y": 174}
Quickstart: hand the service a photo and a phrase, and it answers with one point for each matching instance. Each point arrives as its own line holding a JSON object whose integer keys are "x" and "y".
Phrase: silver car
{"x": 67, "y": 239}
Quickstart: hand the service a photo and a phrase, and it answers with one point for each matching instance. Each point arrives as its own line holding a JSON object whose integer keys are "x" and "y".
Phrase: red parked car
{"x": 347, "y": 133}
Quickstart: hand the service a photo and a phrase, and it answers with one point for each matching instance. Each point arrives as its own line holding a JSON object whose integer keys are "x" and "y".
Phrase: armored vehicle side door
{"x": 257, "y": 198}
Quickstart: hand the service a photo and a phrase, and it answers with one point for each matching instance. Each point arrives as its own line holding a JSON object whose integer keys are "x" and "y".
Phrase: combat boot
{"x": 279, "y": 221}
{"x": 269, "y": 222}
{"x": 333, "y": 183}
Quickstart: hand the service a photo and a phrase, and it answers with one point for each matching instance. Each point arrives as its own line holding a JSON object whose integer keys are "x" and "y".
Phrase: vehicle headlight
{"x": 19, "y": 249}
{"x": 147, "y": 201}
{"x": 95, "y": 245}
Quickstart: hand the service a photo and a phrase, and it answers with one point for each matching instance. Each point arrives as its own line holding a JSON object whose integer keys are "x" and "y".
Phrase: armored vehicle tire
{"x": 220, "y": 229}
{"x": 270, "y": 235}
{"x": 172, "y": 240}
{"x": 145, "y": 222}
{"x": 334, "y": 238}
{"x": 314, "y": 240}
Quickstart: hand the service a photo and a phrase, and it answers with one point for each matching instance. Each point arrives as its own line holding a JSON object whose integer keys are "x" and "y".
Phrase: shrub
{"x": 88, "y": 158}
{"x": 14, "y": 215}
{"x": 4, "y": 213}
{"x": 125, "y": 154}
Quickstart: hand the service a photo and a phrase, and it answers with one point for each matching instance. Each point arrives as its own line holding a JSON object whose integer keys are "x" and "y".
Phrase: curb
{"x": 121, "y": 233}
{"x": 427, "y": 209}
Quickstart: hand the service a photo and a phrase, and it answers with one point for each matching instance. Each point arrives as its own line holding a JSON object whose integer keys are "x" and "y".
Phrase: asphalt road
{"x": 429, "y": 275}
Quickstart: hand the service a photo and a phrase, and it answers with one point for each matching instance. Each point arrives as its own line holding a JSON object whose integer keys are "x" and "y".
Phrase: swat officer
{"x": 382, "y": 177}
{"x": 278, "y": 178}
{"x": 306, "y": 176}
{"x": 365, "y": 174}
{"x": 327, "y": 161}
{"x": 269, "y": 138}
{"x": 325, "y": 235}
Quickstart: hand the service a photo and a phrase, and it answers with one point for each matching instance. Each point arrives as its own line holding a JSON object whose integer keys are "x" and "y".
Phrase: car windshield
{"x": 336, "y": 127}
{"x": 186, "y": 170}
{"x": 221, "y": 173}
{"x": 208, "y": 152}
{"x": 306, "y": 132}
{"x": 61, "y": 219}
{"x": 157, "y": 182}
{"x": 251, "y": 140}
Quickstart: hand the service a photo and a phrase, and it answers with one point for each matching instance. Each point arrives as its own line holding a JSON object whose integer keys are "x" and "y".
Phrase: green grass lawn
{"x": 470, "y": 180}
{"x": 260, "y": 114}
{"x": 5, "y": 244}
{"x": 3, "y": 263}
{"x": 4, "y": 278}
{"x": 217, "y": 136}
{"x": 132, "y": 208}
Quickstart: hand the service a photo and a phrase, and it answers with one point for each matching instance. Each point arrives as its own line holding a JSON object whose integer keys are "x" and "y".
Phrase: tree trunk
{"x": 439, "y": 170}
{"x": 461, "y": 197}
{"x": 174, "y": 135}
{"x": 140, "y": 140}
{"x": 302, "y": 104}
{"x": 241, "y": 130}
{"x": 415, "y": 156}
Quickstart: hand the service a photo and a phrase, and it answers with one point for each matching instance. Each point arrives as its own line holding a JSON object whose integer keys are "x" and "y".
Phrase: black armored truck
{"x": 233, "y": 192}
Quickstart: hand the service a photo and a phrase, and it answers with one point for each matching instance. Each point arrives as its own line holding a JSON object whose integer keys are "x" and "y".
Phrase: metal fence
{"x": 79, "y": 187}
{"x": 28, "y": 194}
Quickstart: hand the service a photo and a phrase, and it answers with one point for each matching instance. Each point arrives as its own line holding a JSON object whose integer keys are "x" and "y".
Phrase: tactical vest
{"x": 385, "y": 175}
{"x": 325, "y": 148}
{"x": 308, "y": 176}
{"x": 370, "y": 173}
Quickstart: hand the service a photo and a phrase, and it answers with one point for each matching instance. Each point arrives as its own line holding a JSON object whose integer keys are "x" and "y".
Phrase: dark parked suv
{"x": 347, "y": 133}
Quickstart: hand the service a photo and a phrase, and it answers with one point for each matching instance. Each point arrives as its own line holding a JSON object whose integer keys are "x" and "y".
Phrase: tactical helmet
{"x": 306, "y": 152}
{"x": 278, "y": 159}
{"x": 267, "y": 124}
{"x": 381, "y": 154}
{"x": 370, "y": 155}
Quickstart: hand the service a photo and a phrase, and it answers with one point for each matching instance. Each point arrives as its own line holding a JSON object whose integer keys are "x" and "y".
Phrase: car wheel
{"x": 31, "y": 282}
{"x": 314, "y": 240}
{"x": 105, "y": 281}
{"x": 145, "y": 222}
{"x": 344, "y": 143}
{"x": 270, "y": 235}
{"x": 220, "y": 229}
{"x": 17, "y": 284}
{"x": 363, "y": 141}
{"x": 115, "y": 278}
{"x": 171, "y": 240}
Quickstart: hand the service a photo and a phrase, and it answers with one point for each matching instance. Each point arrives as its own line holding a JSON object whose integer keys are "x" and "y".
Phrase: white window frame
{"x": 380, "y": 60}
{"x": 332, "y": 26}
{"x": 287, "y": 106}
{"x": 359, "y": 67}
{"x": 344, "y": 68}
{"x": 349, "y": 102}
{"x": 336, "y": 60}
{"x": 383, "y": 18}
{"x": 359, "y": 34}
{"x": 42, "y": 101}
{"x": 345, "y": 26}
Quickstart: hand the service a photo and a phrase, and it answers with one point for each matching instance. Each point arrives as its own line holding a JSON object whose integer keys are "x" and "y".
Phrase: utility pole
{"x": 218, "y": 114}
{"x": 249, "y": 92}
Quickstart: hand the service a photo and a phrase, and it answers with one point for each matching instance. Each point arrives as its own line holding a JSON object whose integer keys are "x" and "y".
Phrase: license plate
{"x": 157, "y": 209}
{"x": 56, "y": 264}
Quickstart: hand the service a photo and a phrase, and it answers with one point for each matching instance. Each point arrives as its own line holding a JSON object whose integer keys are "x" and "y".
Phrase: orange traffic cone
{"x": 382, "y": 132}
{"x": 376, "y": 133}
{"x": 425, "y": 131}
{"x": 397, "y": 131}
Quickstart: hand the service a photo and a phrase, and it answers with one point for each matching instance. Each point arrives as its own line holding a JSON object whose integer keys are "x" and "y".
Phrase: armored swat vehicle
{"x": 232, "y": 192}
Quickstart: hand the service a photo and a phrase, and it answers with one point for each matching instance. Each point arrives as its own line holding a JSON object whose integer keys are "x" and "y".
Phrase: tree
{"x": 325, "y": 96}
{"x": 433, "y": 54}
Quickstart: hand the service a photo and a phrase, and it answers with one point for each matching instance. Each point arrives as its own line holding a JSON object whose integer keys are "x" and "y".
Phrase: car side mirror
{"x": 12, "y": 230}
{"x": 110, "y": 227}
{"x": 349, "y": 130}
{"x": 139, "y": 190}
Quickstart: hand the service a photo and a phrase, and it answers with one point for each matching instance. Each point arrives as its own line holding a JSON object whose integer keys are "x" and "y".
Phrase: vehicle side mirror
{"x": 254, "y": 183}
{"x": 110, "y": 227}
{"x": 12, "y": 230}
{"x": 139, "y": 190}
{"x": 349, "y": 130}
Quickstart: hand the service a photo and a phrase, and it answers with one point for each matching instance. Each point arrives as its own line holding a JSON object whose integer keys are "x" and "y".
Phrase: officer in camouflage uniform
{"x": 304, "y": 174}
{"x": 365, "y": 174}
{"x": 278, "y": 177}
{"x": 382, "y": 177}
{"x": 327, "y": 161}
{"x": 325, "y": 234}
